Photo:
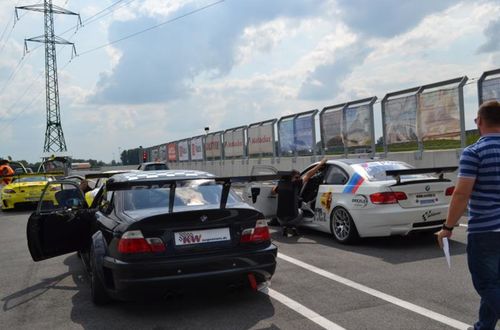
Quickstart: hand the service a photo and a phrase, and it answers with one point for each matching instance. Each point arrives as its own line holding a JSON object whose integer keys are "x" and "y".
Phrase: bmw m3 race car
{"x": 26, "y": 189}
{"x": 151, "y": 233}
{"x": 353, "y": 198}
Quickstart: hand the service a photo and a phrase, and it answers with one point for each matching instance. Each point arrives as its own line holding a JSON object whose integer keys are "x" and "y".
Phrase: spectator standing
{"x": 478, "y": 184}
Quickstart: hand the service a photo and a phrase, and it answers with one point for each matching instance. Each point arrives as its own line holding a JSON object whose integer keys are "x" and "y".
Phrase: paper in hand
{"x": 446, "y": 250}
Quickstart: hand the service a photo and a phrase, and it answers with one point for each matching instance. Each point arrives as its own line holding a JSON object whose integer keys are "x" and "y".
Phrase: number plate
{"x": 202, "y": 236}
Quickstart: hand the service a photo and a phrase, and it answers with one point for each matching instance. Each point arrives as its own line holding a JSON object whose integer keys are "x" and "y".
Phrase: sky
{"x": 224, "y": 64}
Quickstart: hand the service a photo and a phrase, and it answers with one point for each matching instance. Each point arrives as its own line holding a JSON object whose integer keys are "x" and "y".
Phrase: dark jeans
{"x": 483, "y": 255}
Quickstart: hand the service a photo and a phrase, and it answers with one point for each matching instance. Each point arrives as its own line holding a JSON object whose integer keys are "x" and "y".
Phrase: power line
{"x": 152, "y": 27}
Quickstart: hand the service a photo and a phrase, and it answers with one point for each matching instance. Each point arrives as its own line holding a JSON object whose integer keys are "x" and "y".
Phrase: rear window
{"x": 193, "y": 194}
{"x": 156, "y": 167}
{"x": 375, "y": 171}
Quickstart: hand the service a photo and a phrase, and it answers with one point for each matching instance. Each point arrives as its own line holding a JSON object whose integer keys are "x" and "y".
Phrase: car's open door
{"x": 62, "y": 222}
{"x": 266, "y": 202}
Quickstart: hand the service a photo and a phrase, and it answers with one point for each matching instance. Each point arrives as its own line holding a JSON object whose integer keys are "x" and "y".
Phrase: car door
{"x": 328, "y": 193}
{"x": 266, "y": 201}
{"x": 62, "y": 222}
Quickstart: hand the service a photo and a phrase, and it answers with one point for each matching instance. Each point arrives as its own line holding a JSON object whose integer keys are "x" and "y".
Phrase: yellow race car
{"x": 26, "y": 189}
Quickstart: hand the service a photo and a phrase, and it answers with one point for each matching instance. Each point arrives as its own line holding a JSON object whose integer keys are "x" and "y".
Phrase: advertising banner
{"x": 358, "y": 126}
{"x": 260, "y": 139}
{"x": 163, "y": 153}
{"x": 183, "y": 150}
{"x": 286, "y": 137}
{"x": 197, "y": 148}
{"x": 331, "y": 128}
{"x": 234, "y": 143}
{"x": 213, "y": 146}
{"x": 491, "y": 89}
{"x": 303, "y": 134}
{"x": 155, "y": 154}
{"x": 172, "y": 152}
{"x": 401, "y": 119}
{"x": 438, "y": 115}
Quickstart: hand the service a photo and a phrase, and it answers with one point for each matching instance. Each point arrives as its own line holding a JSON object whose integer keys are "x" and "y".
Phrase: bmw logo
{"x": 203, "y": 218}
{"x": 427, "y": 188}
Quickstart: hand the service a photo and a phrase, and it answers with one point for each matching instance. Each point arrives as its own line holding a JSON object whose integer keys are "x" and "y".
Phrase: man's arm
{"x": 313, "y": 171}
{"x": 458, "y": 205}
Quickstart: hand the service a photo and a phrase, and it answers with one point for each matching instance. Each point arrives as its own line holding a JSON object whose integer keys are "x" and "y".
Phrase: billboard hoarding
{"x": 213, "y": 148}
{"x": 358, "y": 130}
{"x": 331, "y": 128}
{"x": 172, "y": 152}
{"x": 286, "y": 137}
{"x": 401, "y": 119}
{"x": 196, "y": 148}
{"x": 260, "y": 140}
{"x": 438, "y": 115}
{"x": 234, "y": 143}
{"x": 183, "y": 148}
{"x": 303, "y": 134}
{"x": 491, "y": 89}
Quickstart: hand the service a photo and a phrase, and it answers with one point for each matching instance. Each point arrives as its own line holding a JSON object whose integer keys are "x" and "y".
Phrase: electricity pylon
{"x": 54, "y": 137}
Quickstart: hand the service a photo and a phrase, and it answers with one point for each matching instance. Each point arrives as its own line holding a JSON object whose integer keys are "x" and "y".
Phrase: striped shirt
{"x": 481, "y": 161}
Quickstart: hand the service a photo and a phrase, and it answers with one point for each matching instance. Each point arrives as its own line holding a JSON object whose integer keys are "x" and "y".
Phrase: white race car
{"x": 353, "y": 198}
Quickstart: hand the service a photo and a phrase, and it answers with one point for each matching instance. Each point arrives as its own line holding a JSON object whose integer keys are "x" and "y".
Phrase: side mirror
{"x": 255, "y": 192}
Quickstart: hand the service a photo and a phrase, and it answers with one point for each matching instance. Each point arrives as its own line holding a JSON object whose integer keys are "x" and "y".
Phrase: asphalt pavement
{"x": 380, "y": 283}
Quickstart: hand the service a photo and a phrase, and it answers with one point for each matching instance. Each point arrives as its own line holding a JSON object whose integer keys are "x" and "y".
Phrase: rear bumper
{"x": 128, "y": 280}
{"x": 386, "y": 220}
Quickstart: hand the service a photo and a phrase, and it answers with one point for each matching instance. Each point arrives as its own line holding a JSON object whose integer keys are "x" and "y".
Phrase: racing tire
{"x": 97, "y": 289}
{"x": 342, "y": 226}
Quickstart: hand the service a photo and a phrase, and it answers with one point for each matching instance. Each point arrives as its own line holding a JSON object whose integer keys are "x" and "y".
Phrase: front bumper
{"x": 128, "y": 280}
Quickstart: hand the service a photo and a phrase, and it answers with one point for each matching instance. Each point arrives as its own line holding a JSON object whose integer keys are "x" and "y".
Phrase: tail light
{"x": 259, "y": 233}
{"x": 449, "y": 191}
{"x": 134, "y": 242}
{"x": 388, "y": 197}
{"x": 9, "y": 191}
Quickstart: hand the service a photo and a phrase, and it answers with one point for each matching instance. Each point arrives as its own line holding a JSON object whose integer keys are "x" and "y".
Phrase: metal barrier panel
{"x": 488, "y": 86}
{"x": 163, "y": 153}
{"x": 304, "y": 133}
{"x": 358, "y": 126}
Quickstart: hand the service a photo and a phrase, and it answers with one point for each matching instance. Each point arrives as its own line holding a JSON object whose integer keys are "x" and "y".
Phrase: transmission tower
{"x": 54, "y": 137}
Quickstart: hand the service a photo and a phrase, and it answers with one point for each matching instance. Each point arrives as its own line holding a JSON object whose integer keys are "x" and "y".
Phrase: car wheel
{"x": 342, "y": 226}
{"x": 97, "y": 289}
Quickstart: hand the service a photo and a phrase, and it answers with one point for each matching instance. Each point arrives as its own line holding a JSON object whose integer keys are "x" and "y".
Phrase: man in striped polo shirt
{"x": 478, "y": 184}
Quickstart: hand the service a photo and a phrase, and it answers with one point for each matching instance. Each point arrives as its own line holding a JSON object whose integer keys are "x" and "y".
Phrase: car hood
{"x": 15, "y": 185}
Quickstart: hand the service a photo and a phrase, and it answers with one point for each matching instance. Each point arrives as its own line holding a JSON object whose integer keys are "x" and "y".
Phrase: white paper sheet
{"x": 446, "y": 250}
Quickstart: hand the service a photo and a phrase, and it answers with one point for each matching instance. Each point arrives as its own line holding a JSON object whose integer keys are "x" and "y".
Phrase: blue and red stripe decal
{"x": 353, "y": 185}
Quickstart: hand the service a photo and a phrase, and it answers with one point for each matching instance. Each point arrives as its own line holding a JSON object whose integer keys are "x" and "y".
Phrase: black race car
{"x": 156, "y": 232}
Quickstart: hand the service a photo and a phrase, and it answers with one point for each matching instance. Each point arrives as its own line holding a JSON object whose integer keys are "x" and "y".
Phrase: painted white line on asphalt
{"x": 393, "y": 300}
{"x": 302, "y": 310}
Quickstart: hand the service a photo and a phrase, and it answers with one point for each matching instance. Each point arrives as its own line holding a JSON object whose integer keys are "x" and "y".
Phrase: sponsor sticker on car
{"x": 202, "y": 236}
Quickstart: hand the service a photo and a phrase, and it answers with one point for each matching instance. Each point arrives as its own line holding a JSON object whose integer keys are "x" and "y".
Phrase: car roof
{"x": 162, "y": 174}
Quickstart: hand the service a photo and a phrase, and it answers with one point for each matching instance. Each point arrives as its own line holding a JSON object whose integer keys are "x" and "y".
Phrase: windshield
{"x": 156, "y": 167}
{"x": 31, "y": 179}
{"x": 375, "y": 171}
{"x": 191, "y": 194}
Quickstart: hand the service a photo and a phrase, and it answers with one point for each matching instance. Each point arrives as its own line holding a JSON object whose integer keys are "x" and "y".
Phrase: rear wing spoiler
{"x": 226, "y": 182}
{"x": 396, "y": 174}
{"x": 103, "y": 175}
{"x": 22, "y": 175}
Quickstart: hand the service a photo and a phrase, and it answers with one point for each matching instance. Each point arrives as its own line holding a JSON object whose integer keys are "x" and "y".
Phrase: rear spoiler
{"x": 396, "y": 174}
{"x": 226, "y": 182}
{"x": 103, "y": 175}
{"x": 22, "y": 175}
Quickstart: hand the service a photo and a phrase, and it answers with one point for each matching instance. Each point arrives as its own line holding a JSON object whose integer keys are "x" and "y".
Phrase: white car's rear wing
{"x": 396, "y": 174}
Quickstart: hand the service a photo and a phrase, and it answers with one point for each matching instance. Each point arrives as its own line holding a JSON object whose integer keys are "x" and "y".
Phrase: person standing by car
{"x": 6, "y": 172}
{"x": 478, "y": 184}
{"x": 289, "y": 212}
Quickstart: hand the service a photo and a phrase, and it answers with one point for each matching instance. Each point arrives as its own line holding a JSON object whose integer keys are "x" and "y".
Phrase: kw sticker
{"x": 354, "y": 183}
